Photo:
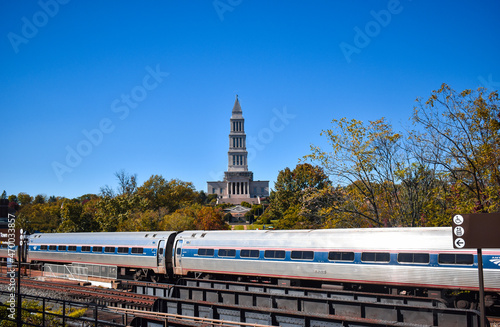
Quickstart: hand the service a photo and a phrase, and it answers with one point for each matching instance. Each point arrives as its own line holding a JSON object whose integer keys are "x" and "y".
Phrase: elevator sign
{"x": 476, "y": 231}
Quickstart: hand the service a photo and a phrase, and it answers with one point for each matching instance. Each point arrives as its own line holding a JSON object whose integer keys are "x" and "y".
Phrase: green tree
{"x": 172, "y": 195}
{"x": 288, "y": 192}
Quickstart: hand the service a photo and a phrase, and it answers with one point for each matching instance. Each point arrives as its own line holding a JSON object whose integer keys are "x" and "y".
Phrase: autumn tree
{"x": 78, "y": 216}
{"x": 127, "y": 183}
{"x": 41, "y": 217}
{"x": 209, "y": 218}
{"x": 460, "y": 132}
{"x": 13, "y": 198}
{"x": 111, "y": 213}
{"x": 24, "y": 198}
{"x": 40, "y": 198}
{"x": 375, "y": 173}
{"x": 181, "y": 219}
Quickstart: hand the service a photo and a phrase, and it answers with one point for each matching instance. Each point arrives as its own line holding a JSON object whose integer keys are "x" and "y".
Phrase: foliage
{"x": 172, "y": 195}
{"x": 32, "y": 314}
{"x": 181, "y": 219}
{"x": 208, "y": 218}
{"x": 286, "y": 199}
{"x": 41, "y": 217}
{"x": 246, "y": 204}
{"x": 381, "y": 181}
{"x": 227, "y": 217}
{"x": 461, "y": 137}
{"x": 113, "y": 212}
{"x": 40, "y": 198}
{"x": 24, "y": 198}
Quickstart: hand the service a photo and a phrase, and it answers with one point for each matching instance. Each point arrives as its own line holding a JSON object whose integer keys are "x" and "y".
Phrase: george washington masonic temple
{"x": 238, "y": 184}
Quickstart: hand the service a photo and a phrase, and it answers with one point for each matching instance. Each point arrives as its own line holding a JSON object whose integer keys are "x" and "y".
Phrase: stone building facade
{"x": 238, "y": 184}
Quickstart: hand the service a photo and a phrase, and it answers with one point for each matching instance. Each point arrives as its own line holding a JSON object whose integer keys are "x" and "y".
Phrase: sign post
{"x": 477, "y": 231}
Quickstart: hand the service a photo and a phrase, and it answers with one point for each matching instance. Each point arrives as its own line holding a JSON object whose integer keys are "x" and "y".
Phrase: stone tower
{"x": 238, "y": 184}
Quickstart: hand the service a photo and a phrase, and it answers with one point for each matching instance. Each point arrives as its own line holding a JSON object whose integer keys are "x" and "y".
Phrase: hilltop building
{"x": 238, "y": 184}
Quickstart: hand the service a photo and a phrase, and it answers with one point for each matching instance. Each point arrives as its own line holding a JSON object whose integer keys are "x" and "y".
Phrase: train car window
{"x": 206, "y": 252}
{"x": 302, "y": 255}
{"x": 456, "y": 259}
{"x": 122, "y": 250}
{"x": 161, "y": 251}
{"x": 62, "y": 247}
{"x": 109, "y": 249}
{"x": 137, "y": 250}
{"x": 52, "y": 247}
{"x": 341, "y": 256}
{"x": 85, "y": 248}
{"x": 227, "y": 253}
{"x": 43, "y": 247}
{"x": 249, "y": 253}
{"x": 178, "y": 251}
{"x": 375, "y": 257}
{"x": 274, "y": 254}
{"x": 413, "y": 257}
{"x": 97, "y": 249}
{"x": 72, "y": 248}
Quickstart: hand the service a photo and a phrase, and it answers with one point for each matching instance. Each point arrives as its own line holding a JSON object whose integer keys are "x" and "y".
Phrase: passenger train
{"x": 420, "y": 261}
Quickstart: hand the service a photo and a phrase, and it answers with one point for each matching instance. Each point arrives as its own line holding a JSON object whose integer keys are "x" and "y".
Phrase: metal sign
{"x": 476, "y": 231}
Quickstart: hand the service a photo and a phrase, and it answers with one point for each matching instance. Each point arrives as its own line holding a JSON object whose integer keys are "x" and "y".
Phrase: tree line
{"x": 446, "y": 162}
{"x": 158, "y": 204}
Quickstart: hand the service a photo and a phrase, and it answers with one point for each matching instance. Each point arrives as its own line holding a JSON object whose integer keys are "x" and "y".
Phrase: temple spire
{"x": 237, "y": 107}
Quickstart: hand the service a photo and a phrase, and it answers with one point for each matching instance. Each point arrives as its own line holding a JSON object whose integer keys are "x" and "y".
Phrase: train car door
{"x": 178, "y": 257}
{"x": 160, "y": 258}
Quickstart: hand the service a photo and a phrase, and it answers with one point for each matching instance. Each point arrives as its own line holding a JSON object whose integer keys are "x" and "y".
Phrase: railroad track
{"x": 209, "y": 299}
{"x": 108, "y": 297}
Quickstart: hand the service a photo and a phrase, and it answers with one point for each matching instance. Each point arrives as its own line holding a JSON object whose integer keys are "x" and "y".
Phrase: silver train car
{"x": 137, "y": 254}
{"x": 418, "y": 261}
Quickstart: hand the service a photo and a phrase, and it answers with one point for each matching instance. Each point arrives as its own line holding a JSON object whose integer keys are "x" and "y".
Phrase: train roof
{"x": 409, "y": 238}
{"x": 100, "y": 238}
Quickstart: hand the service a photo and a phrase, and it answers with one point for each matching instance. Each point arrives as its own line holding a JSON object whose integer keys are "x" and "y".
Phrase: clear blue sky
{"x": 88, "y": 88}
